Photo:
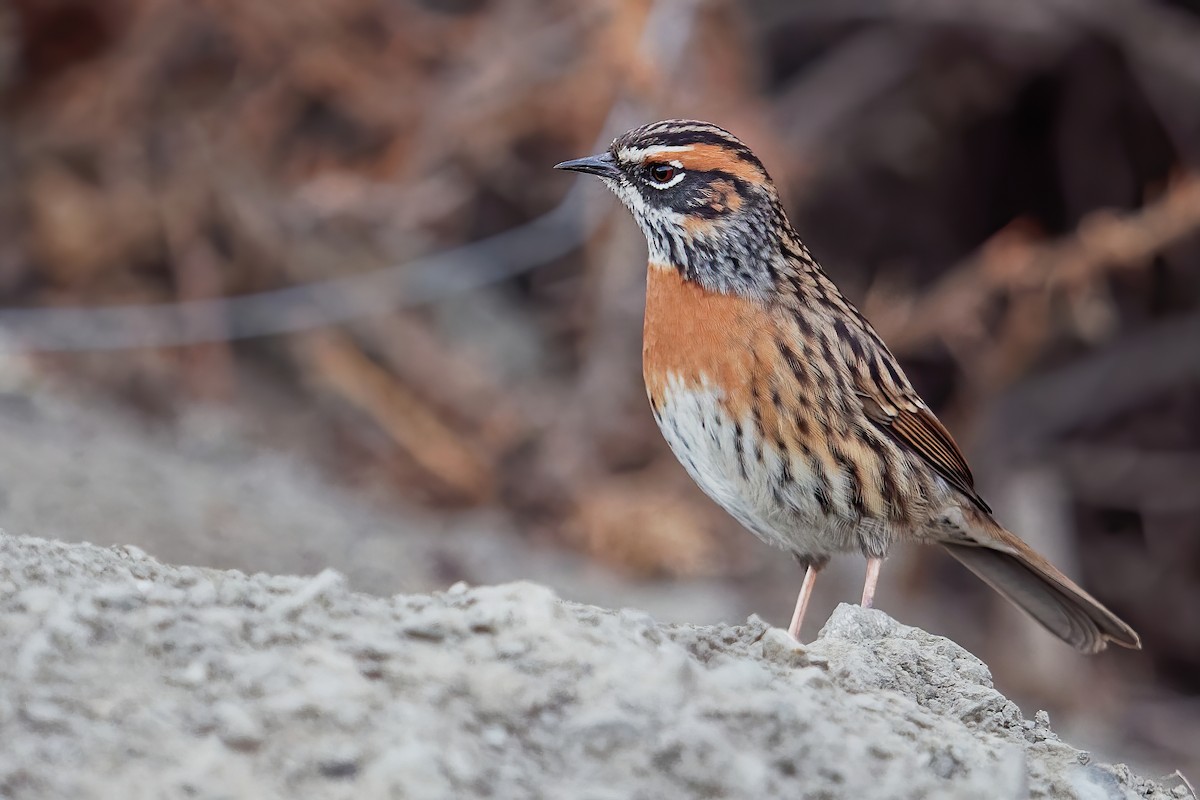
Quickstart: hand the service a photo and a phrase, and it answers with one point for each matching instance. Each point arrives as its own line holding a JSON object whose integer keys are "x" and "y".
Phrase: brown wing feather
{"x": 916, "y": 427}
{"x": 887, "y": 397}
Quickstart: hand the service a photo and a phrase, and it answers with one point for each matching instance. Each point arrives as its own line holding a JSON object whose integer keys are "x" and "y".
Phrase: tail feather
{"x": 1013, "y": 569}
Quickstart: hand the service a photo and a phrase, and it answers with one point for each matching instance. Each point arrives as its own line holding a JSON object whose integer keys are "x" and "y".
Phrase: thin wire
{"x": 663, "y": 39}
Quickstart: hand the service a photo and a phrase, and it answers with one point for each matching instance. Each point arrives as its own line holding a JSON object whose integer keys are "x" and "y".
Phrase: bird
{"x": 783, "y": 403}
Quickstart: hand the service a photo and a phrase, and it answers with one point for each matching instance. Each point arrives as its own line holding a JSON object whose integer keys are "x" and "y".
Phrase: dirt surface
{"x": 124, "y": 677}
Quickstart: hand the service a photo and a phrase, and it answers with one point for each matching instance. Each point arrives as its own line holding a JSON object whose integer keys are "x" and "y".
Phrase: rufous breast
{"x": 695, "y": 337}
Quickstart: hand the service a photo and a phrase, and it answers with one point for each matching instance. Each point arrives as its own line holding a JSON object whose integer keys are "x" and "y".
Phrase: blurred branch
{"x": 1095, "y": 388}
{"x": 308, "y": 306}
{"x": 456, "y": 462}
{"x": 629, "y": 522}
{"x": 450, "y": 379}
{"x": 1148, "y": 30}
{"x": 1011, "y": 265}
{"x": 664, "y": 37}
{"x": 1157, "y": 40}
{"x": 1134, "y": 478}
{"x": 855, "y": 73}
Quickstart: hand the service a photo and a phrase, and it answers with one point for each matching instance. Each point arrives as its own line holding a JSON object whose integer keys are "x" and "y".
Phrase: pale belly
{"x": 775, "y": 497}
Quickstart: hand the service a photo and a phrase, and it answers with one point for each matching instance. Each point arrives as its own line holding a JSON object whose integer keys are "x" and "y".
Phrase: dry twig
{"x": 450, "y": 459}
{"x": 1014, "y": 267}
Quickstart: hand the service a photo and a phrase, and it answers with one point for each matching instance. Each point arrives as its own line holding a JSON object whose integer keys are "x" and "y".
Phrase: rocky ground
{"x": 124, "y": 677}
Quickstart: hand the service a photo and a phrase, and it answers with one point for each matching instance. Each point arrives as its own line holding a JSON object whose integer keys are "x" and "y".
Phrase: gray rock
{"x": 123, "y": 677}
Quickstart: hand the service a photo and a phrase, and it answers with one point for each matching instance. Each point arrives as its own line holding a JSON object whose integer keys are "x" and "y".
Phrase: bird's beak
{"x": 601, "y": 164}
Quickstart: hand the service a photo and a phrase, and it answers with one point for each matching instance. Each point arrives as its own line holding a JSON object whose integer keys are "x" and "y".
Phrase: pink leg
{"x": 873, "y": 567}
{"x": 806, "y": 590}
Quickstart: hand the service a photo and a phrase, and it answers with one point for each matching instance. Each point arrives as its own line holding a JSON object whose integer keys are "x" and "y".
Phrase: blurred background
{"x": 292, "y": 285}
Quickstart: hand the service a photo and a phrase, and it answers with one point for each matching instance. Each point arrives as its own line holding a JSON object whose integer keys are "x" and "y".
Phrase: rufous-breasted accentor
{"x": 781, "y": 400}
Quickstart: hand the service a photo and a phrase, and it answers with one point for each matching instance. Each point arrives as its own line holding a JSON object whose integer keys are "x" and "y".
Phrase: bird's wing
{"x": 911, "y": 423}
{"x": 887, "y": 397}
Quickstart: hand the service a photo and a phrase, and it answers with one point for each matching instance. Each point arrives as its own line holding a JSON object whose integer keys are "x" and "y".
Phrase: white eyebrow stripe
{"x": 633, "y": 154}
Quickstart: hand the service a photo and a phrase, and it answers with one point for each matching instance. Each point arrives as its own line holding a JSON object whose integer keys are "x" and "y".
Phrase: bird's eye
{"x": 662, "y": 173}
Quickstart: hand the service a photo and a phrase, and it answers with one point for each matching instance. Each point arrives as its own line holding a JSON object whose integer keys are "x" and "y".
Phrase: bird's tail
{"x": 1013, "y": 569}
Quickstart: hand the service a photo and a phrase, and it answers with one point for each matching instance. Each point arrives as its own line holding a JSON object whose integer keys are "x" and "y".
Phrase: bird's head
{"x": 703, "y": 199}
